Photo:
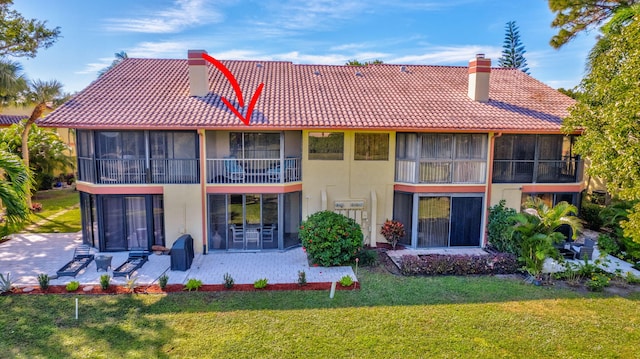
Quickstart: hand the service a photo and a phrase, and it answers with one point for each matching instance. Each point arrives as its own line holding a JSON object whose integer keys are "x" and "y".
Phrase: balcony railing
{"x": 232, "y": 170}
{"x": 524, "y": 171}
{"x": 135, "y": 171}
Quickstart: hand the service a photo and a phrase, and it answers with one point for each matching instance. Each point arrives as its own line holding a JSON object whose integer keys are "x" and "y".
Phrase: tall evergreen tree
{"x": 513, "y": 49}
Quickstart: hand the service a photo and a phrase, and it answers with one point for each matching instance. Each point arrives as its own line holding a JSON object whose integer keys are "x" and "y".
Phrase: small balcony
{"x": 231, "y": 170}
{"x": 541, "y": 171}
{"x": 138, "y": 171}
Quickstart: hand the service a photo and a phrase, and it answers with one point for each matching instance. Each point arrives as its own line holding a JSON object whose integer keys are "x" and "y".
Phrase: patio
{"x": 27, "y": 255}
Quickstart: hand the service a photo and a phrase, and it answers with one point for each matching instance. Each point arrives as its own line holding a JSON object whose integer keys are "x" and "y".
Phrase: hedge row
{"x": 438, "y": 264}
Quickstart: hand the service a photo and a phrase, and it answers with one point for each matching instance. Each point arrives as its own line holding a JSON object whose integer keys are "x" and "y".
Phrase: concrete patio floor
{"x": 27, "y": 255}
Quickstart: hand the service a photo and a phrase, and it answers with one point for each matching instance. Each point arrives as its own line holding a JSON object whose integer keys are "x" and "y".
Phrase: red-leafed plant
{"x": 393, "y": 231}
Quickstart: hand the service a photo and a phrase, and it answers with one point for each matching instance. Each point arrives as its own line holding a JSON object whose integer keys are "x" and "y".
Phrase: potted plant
{"x": 393, "y": 231}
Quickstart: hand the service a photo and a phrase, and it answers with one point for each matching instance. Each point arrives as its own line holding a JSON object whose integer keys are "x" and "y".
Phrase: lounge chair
{"x": 134, "y": 262}
{"x": 81, "y": 259}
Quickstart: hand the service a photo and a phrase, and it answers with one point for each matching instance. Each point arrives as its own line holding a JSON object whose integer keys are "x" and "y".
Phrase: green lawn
{"x": 390, "y": 317}
{"x": 54, "y": 201}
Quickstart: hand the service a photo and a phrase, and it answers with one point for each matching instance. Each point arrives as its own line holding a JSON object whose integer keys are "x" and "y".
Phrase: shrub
{"x": 632, "y": 279}
{"x": 193, "y": 284}
{"x": 597, "y": 282}
{"x": 261, "y": 283}
{"x": 44, "y": 181}
{"x": 132, "y": 283}
{"x": 590, "y": 214}
{"x": 500, "y": 228}
{"x": 104, "y": 281}
{"x": 43, "y": 281}
{"x": 228, "y": 281}
{"x": 6, "y": 284}
{"x": 302, "y": 278}
{"x": 330, "y": 239}
{"x": 393, "y": 231}
{"x": 439, "y": 264}
{"x": 367, "y": 257}
{"x": 346, "y": 281}
{"x": 163, "y": 280}
{"x": 608, "y": 245}
{"x": 73, "y": 286}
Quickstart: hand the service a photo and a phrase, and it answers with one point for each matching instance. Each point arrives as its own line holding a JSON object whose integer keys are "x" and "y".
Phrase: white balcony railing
{"x": 233, "y": 170}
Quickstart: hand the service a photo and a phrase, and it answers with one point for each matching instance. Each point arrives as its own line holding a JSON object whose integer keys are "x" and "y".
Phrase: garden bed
{"x": 173, "y": 288}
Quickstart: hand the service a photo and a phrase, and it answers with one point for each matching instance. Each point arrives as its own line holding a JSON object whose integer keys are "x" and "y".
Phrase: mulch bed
{"x": 174, "y": 288}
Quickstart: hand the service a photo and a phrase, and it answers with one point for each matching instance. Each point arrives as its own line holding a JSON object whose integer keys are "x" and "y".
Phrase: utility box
{"x": 182, "y": 253}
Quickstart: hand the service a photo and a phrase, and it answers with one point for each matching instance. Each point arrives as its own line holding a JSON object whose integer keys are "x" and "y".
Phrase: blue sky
{"x": 323, "y": 32}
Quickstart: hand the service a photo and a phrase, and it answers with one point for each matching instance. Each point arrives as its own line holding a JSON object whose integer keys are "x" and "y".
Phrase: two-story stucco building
{"x": 160, "y": 154}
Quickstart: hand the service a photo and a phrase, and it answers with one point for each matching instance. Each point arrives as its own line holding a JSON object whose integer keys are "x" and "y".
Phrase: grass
{"x": 390, "y": 317}
{"x": 53, "y": 201}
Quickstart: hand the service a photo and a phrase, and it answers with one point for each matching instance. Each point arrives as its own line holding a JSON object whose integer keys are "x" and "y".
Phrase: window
{"x": 326, "y": 145}
{"x": 372, "y": 147}
{"x": 453, "y": 158}
{"x": 255, "y": 145}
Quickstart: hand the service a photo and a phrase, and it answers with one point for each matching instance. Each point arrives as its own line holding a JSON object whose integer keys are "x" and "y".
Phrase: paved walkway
{"x": 28, "y": 254}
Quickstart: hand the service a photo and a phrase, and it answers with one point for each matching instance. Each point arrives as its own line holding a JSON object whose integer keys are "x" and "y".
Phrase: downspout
{"x": 203, "y": 189}
{"x": 489, "y": 184}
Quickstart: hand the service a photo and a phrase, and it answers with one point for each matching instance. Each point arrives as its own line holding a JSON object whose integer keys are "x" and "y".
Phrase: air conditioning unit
{"x": 349, "y": 204}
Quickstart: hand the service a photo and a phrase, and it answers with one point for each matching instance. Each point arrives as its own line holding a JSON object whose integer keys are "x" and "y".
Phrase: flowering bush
{"x": 393, "y": 231}
{"x": 330, "y": 239}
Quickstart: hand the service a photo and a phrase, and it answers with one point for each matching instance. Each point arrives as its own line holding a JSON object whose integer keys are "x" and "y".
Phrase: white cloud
{"x": 161, "y": 49}
{"x": 449, "y": 55}
{"x": 94, "y": 67}
{"x": 183, "y": 14}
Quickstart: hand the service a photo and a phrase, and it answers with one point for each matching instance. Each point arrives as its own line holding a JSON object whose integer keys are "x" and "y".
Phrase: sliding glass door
{"x": 447, "y": 221}
{"x": 254, "y": 221}
{"x": 131, "y": 222}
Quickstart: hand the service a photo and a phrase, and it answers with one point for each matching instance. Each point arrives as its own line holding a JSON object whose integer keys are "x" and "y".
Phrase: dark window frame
{"x": 319, "y": 154}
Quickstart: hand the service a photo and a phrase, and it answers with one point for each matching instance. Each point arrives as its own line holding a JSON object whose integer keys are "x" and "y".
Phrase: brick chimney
{"x": 479, "y": 72}
{"x": 198, "y": 77}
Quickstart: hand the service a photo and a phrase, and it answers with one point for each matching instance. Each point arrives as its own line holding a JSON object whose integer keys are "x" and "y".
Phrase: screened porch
{"x": 254, "y": 157}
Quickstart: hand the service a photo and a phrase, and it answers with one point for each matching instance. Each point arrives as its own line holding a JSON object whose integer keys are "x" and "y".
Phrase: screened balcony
{"x": 138, "y": 157}
{"x": 254, "y": 157}
{"x": 441, "y": 158}
{"x": 520, "y": 171}
{"x": 536, "y": 159}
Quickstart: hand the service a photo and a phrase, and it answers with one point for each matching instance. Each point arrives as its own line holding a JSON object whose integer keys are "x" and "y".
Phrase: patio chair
{"x": 237, "y": 234}
{"x": 233, "y": 171}
{"x": 290, "y": 171}
{"x": 267, "y": 232}
{"x": 81, "y": 259}
{"x": 585, "y": 251}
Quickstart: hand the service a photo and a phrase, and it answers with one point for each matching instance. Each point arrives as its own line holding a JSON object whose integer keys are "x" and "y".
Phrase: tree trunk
{"x": 37, "y": 112}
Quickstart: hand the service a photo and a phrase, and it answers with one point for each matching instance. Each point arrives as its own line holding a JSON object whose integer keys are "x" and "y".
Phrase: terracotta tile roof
{"x": 8, "y": 120}
{"x": 154, "y": 93}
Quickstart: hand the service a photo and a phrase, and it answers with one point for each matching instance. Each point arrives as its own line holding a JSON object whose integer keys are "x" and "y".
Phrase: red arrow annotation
{"x": 236, "y": 87}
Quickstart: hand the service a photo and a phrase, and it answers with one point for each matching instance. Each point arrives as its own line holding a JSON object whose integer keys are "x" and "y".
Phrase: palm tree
{"x": 14, "y": 187}
{"x": 537, "y": 228}
{"x": 12, "y": 81}
{"x": 40, "y": 92}
{"x": 120, "y": 56}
